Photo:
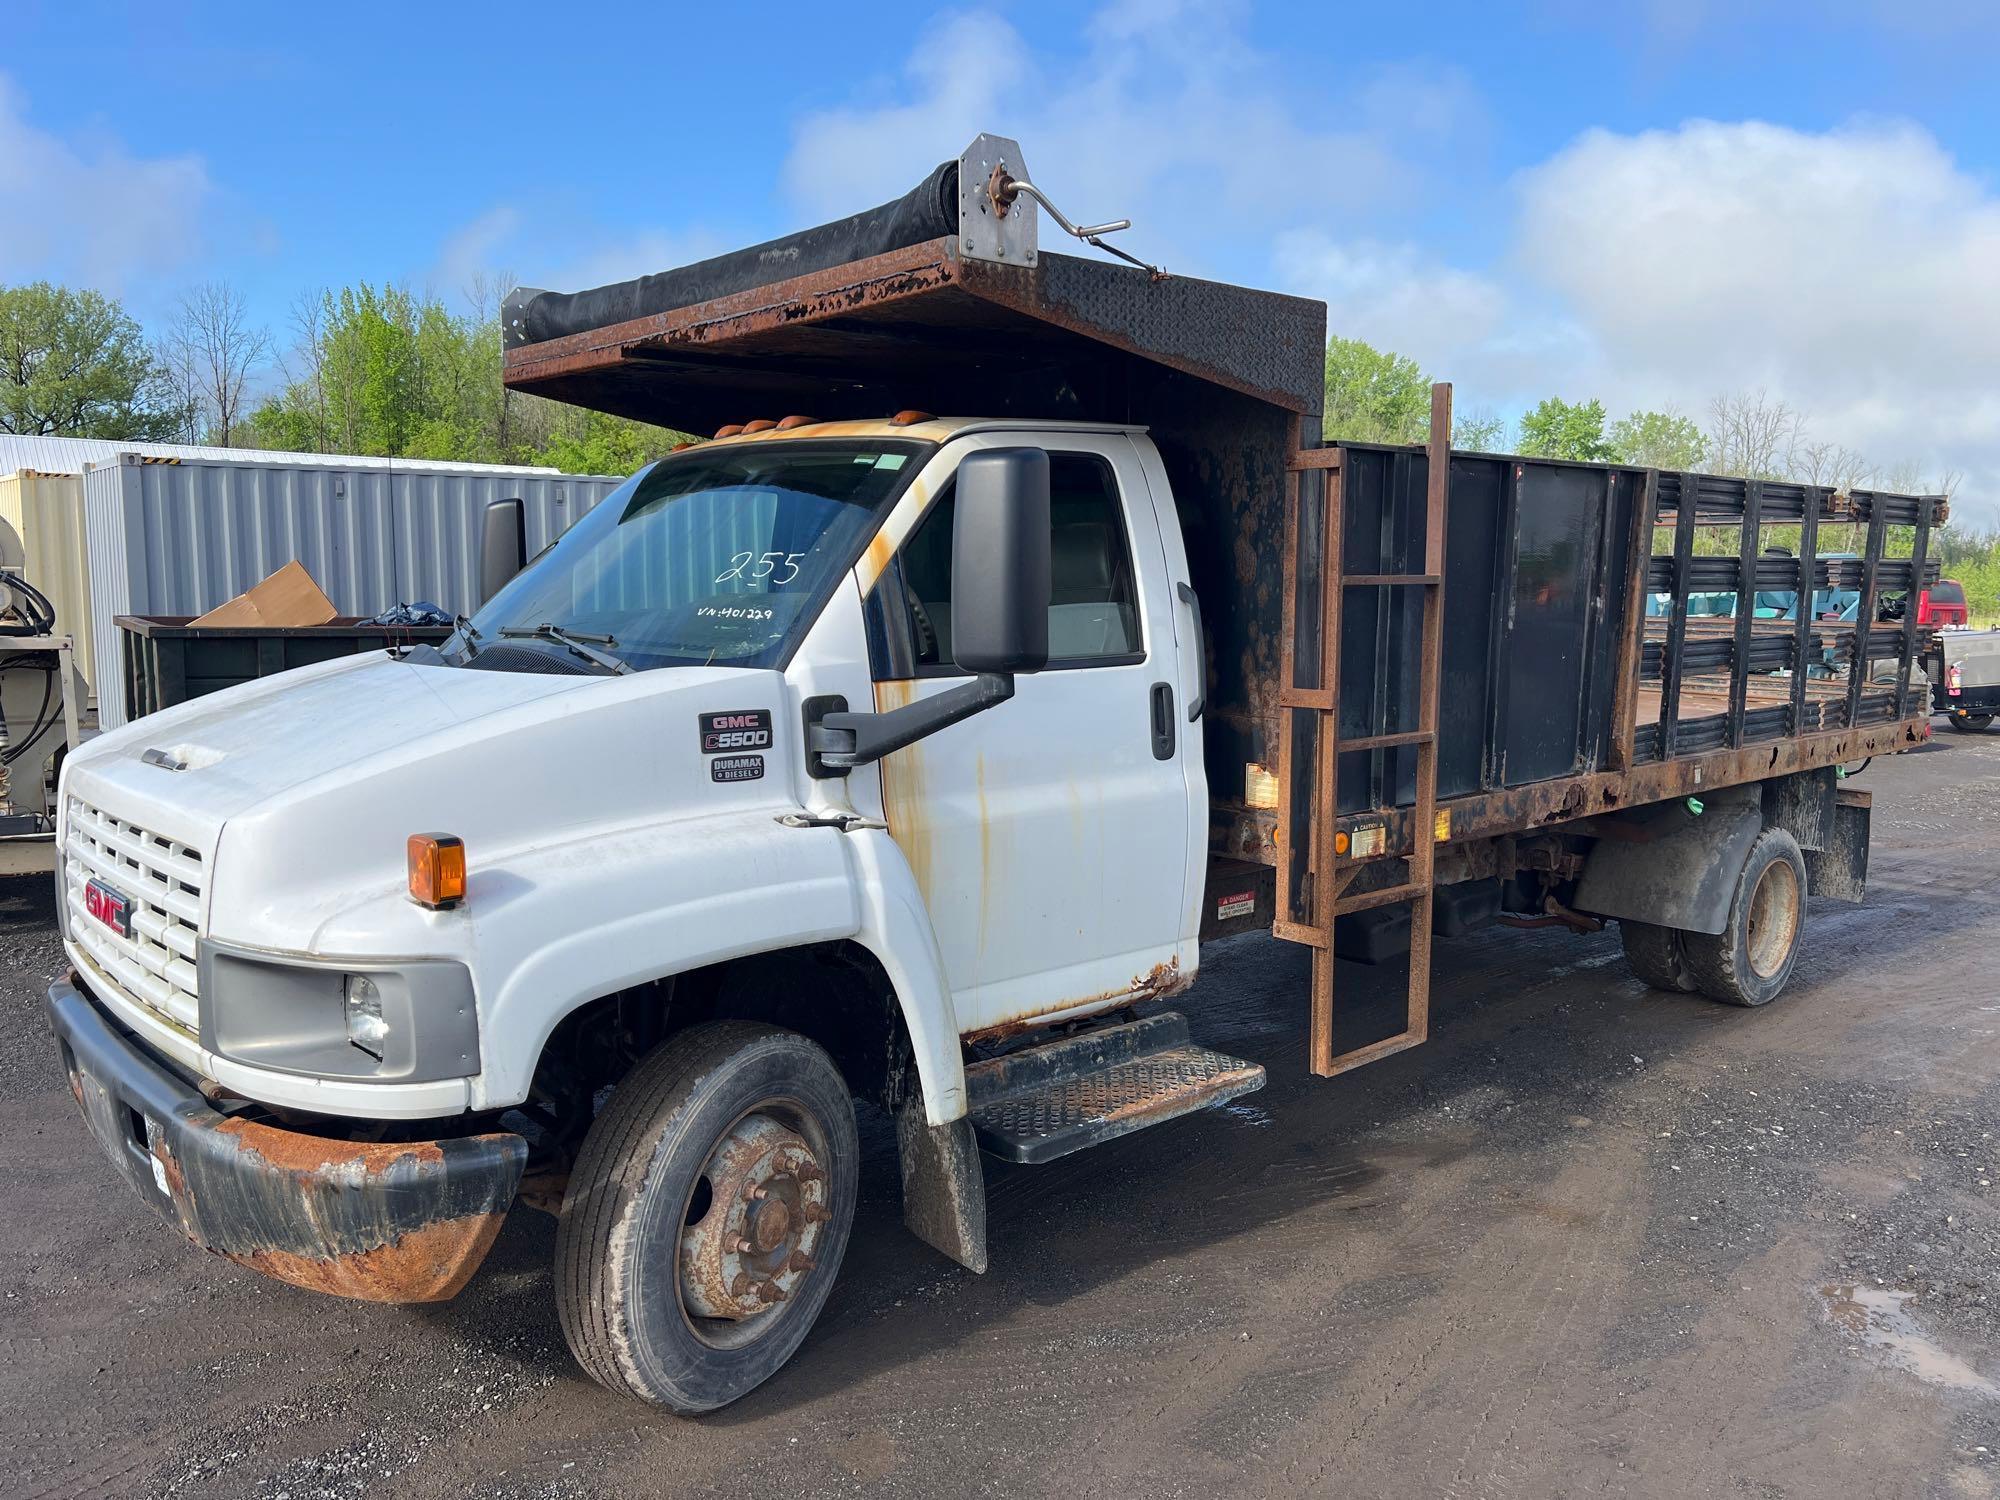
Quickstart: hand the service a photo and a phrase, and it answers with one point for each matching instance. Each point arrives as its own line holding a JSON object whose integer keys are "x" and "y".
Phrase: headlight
{"x": 408, "y": 1022}
{"x": 366, "y": 1027}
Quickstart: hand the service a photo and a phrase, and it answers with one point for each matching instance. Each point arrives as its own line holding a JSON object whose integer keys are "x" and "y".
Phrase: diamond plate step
{"x": 1048, "y": 1101}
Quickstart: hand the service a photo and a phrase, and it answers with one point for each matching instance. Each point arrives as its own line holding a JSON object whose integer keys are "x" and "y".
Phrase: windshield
{"x": 717, "y": 555}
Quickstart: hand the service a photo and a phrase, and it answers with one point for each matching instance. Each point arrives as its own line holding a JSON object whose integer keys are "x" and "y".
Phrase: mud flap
{"x": 1671, "y": 866}
{"x": 944, "y": 1186}
{"x": 1802, "y": 805}
{"x": 1840, "y": 870}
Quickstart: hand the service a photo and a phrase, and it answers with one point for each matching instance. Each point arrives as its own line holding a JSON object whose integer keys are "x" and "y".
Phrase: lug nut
{"x": 770, "y": 1291}
{"x": 744, "y": 1247}
{"x": 800, "y": 1261}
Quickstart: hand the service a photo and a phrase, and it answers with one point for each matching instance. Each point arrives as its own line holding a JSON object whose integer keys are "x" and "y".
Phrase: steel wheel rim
{"x": 1774, "y": 919}
{"x": 703, "y": 1289}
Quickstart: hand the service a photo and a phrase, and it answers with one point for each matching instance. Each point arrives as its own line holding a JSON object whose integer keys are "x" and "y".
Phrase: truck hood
{"x": 245, "y": 743}
{"x": 379, "y": 732}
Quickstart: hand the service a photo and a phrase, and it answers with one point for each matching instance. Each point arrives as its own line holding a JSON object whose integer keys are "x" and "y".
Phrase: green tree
{"x": 1479, "y": 432}
{"x": 593, "y": 442}
{"x": 1560, "y": 429}
{"x": 1659, "y": 440}
{"x": 383, "y": 371}
{"x": 74, "y": 364}
{"x": 1373, "y": 396}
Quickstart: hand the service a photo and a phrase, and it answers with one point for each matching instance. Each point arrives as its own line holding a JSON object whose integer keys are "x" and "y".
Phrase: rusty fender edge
{"x": 385, "y": 1222}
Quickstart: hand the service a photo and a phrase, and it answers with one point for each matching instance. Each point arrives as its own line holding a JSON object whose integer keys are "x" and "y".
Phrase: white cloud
{"x": 1850, "y": 272}
{"x": 89, "y": 210}
{"x": 1168, "y": 117}
{"x": 474, "y": 252}
{"x": 1393, "y": 294}
{"x": 556, "y": 253}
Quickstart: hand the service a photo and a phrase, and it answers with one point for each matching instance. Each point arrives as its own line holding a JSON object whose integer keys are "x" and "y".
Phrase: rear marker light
{"x": 437, "y": 870}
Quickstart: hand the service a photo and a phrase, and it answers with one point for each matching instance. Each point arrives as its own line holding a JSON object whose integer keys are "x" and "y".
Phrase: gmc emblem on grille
{"x": 108, "y": 906}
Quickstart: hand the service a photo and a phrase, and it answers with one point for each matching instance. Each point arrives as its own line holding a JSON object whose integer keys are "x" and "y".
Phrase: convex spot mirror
{"x": 1000, "y": 564}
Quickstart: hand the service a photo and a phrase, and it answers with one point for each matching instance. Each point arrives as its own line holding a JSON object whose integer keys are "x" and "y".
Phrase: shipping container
{"x": 41, "y": 536}
{"x": 181, "y": 538}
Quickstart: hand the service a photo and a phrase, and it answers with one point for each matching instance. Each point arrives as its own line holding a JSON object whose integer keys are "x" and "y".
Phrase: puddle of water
{"x": 1249, "y": 1114}
{"x": 1880, "y": 1317}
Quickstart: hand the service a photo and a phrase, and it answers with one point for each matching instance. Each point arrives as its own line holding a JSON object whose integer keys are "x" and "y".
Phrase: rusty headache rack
{"x": 1400, "y": 639}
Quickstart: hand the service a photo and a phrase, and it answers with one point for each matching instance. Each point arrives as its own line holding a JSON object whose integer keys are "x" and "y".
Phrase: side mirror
{"x": 1000, "y": 562}
{"x": 503, "y": 545}
{"x": 1000, "y": 570}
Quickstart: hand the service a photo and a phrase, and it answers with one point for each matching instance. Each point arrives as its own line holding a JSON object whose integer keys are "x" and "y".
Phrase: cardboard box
{"x": 288, "y": 598}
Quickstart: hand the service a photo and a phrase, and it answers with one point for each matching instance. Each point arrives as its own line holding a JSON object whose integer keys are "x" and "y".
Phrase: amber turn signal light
{"x": 437, "y": 870}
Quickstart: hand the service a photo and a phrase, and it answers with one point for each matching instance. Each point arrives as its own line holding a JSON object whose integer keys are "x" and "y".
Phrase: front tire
{"x": 707, "y": 1215}
{"x": 1748, "y": 962}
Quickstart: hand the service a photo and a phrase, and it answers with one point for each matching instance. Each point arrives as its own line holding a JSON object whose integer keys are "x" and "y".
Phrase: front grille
{"x": 161, "y": 879}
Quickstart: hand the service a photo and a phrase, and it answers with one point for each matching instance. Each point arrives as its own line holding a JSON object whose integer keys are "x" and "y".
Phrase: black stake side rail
{"x": 1771, "y": 725}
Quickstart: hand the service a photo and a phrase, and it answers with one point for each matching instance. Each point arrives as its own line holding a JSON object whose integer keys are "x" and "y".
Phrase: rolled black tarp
{"x": 926, "y": 212}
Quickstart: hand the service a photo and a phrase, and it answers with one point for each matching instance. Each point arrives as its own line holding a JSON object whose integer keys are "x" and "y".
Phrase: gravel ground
{"x": 1592, "y": 1240}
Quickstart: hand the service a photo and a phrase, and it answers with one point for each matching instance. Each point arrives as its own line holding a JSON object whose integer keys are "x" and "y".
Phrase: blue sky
{"x": 1655, "y": 203}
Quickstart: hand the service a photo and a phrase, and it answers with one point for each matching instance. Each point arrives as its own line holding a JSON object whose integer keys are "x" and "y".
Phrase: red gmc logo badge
{"x": 108, "y": 906}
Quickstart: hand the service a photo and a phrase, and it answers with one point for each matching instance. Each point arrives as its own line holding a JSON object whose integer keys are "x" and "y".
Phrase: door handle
{"x": 1163, "y": 721}
{"x": 1193, "y": 601}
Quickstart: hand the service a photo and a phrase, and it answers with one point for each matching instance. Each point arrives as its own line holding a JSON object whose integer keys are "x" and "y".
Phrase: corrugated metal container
{"x": 41, "y": 534}
{"x": 179, "y": 539}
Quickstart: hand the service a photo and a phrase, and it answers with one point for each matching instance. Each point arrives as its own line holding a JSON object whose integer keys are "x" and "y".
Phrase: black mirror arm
{"x": 843, "y": 740}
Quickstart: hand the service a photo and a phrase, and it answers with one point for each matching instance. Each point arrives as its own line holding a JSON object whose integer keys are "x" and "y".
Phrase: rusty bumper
{"x": 387, "y": 1222}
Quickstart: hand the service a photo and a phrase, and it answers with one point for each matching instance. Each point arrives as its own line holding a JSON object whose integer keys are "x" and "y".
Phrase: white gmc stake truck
{"x": 892, "y": 757}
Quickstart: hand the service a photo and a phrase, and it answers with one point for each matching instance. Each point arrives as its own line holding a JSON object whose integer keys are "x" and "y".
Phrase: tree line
{"x": 365, "y": 369}
{"x": 382, "y": 370}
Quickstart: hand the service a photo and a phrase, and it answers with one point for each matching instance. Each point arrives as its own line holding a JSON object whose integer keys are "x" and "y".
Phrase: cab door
{"x": 1050, "y": 835}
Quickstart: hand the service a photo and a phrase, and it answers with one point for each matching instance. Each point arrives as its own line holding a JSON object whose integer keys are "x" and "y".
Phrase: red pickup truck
{"x": 1942, "y": 605}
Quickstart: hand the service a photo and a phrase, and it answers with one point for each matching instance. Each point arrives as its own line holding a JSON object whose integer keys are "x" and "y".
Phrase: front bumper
{"x": 404, "y": 1221}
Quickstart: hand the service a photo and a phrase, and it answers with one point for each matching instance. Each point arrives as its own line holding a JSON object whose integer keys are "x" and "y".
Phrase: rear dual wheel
{"x": 1968, "y": 723}
{"x": 707, "y": 1215}
{"x": 1749, "y": 961}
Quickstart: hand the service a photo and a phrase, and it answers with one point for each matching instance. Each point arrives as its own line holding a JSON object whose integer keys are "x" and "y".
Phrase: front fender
{"x": 559, "y": 926}
{"x": 896, "y": 928}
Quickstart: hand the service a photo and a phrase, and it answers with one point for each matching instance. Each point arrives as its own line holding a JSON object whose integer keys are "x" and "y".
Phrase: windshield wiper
{"x": 578, "y": 643}
{"x": 469, "y": 633}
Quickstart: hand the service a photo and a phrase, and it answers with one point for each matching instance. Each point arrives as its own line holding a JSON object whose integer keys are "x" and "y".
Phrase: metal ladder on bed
{"x": 1334, "y": 866}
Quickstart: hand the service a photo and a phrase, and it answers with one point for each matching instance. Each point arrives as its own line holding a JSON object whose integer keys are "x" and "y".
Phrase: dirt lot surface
{"x": 1592, "y": 1240}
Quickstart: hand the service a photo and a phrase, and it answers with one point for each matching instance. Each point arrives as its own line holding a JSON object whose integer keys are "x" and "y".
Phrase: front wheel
{"x": 1748, "y": 962}
{"x": 707, "y": 1215}
{"x": 1969, "y": 723}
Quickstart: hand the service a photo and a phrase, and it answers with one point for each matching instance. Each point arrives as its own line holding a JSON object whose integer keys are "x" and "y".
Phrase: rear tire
{"x": 1969, "y": 723}
{"x": 1656, "y": 956}
{"x": 727, "y": 1134}
{"x": 1748, "y": 962}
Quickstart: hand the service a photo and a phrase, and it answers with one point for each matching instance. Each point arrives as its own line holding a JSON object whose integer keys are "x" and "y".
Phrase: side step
{"x": 1044, "y": 1102}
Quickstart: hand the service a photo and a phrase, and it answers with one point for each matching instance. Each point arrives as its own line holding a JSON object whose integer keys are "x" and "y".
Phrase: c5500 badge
{"x": 738, "y": 729}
